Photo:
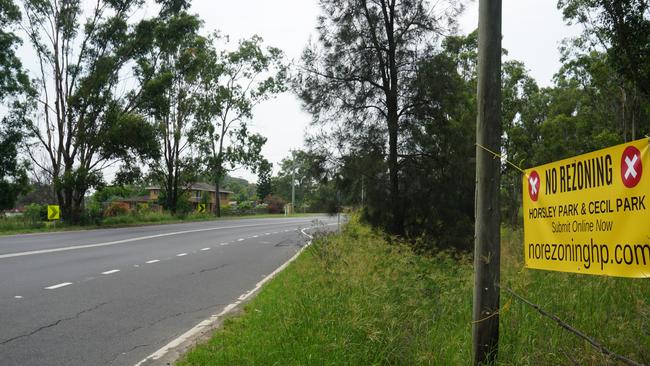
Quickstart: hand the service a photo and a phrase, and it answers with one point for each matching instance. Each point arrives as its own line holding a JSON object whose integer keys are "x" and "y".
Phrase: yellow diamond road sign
{"x": 201, "y": 207}
{"x": 53, "y": 212}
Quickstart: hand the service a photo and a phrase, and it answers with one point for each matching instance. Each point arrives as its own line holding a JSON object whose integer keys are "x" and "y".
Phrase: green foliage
{"x": 36, "y": 213}
{"x": 241, "y": 188}
{"x": 13, "y": 80}
{"x": 170, "y": 73}
{"x": 82, "y": 52}
{"x": 234, "y": 82}
{"x": 111, "y": 193}
{"x": 13, "y": 174}
{"x": 264, "y": 186}
{"x": 622, "y": 28}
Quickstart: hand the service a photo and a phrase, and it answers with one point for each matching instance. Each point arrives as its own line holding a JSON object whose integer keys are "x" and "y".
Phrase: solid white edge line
{"x": 214, "y": 318}
{"x": 84, "y": 246}
{"x": 54, "y": 287}
{"x": 111, "y": 271}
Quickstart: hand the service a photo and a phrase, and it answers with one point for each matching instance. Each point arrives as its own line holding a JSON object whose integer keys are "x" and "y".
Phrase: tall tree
{"x": 81, "y": 125}
{"x": 13, "y": 79}
{"x": 13, "y": 83}
{"x": 170, "y": 74}
{"x": 235, "y": 82}
{"x": 366, "y": 54}
{"x": 264, "y": 172}
{"x": 620, "y": 30}
{"x": 622, "y": 27}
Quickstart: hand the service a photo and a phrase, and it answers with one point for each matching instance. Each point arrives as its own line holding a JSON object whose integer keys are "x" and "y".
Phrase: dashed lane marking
{"x": 181, "y": 254}
{"x": 54, "y": 287}
{"x": 111, "y": 271}
{"x": 84, "y": 246}
{"x": 153, "y": 261}
{"x": 204, "y": 249}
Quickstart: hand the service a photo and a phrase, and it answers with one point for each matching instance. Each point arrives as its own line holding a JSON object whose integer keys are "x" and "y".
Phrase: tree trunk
{"x": 217, "y": 204}
{"x": 397, "y": 224}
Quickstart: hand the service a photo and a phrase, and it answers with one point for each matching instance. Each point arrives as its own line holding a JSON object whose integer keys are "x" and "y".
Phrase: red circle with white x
{"x": 631, "y": 167}
{"x": 533, "y": 185}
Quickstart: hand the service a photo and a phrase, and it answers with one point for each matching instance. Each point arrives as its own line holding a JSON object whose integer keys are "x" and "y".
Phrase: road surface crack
{"x": 54, "y": 324}
{"x": 213, "y": 268}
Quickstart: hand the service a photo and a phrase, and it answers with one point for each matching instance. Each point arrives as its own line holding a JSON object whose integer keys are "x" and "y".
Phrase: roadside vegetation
{"x": 34, "y": 219}
{"x": 362, "y": 298}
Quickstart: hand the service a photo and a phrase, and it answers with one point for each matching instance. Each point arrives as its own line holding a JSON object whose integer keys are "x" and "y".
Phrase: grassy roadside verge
{"x": 356, "y": 299}
{"x": 9, "y": 228}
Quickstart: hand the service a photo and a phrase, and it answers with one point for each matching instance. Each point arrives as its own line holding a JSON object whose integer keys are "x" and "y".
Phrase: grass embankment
{"x": 356, "y": 299}
{"x": 19, "y": 225}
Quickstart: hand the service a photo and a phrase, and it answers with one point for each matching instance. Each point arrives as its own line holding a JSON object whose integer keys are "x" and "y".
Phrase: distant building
{"x": 196, "y": 193}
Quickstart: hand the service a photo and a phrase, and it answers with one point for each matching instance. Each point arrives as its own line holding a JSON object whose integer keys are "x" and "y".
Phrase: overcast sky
{"x": 532, "y": 30}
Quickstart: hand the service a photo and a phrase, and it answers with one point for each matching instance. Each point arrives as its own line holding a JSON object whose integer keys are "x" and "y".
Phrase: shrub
{"x": 275, "y": 204}
{"x": 92, "y": 214}
{"x": 117, "y": 209}
{"x": 36, "y": 213}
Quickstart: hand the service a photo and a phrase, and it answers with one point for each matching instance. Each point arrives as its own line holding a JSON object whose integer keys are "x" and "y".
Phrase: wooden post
{"x": 487, "y": 246}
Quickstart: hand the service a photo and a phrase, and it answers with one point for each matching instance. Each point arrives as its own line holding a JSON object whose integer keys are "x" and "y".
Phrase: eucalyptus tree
{"x": 80, "y": 124}
{"x": 233, "y": 84}
{"x": 358, "y": 71}
{"x": 170, "y": 73}
{"x": 620, "y": 30}
{"x": 14, "y": 83}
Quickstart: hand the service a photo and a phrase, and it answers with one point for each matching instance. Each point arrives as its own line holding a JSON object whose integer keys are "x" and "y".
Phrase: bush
{"x": 275, "y": 204}
{"x": 228, "y": 211}
{"x": 36, "y": 213}
{"x": 117, "y": 209}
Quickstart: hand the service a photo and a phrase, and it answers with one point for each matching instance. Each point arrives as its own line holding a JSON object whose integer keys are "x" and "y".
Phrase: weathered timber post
{"x": 487, "y": 246}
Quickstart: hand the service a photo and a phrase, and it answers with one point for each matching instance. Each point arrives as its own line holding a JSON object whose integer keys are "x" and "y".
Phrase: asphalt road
{"x": 114, "y": 296}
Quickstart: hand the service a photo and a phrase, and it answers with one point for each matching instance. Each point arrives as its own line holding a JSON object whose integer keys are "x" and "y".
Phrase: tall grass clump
{"x": 615, "y": 311}
{"x": 353, "y": 299}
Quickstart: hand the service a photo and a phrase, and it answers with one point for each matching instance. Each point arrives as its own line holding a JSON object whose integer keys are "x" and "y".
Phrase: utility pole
{"x": 487, "y": 245}
{"x": 293, "y": 189}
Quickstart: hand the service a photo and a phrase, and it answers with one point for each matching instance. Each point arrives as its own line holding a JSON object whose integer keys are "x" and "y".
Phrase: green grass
{"x": 356, "y": 299}
{"x": 19, "y": 225}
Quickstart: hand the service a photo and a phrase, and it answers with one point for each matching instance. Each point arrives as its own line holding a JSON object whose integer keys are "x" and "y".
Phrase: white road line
{"x": 54, "y": 287}
{"x": 18, "y": 297}
{"x": 153, "y": 261}
{"x": 240, "y": 239}
{"x": 204, "y": 249}
{"x": 111, "y": 271}
{"x": 206, "y": 324}
{"x": 255, "y": 236}
{"x": 222, "y": 244}
{"x": 181, "y": 255}
{"x": 85, "y": 246}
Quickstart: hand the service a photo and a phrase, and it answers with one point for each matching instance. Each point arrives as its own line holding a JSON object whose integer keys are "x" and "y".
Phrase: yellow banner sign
{"x": 53, "y": 212}
{"x": 589, "y": 214}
